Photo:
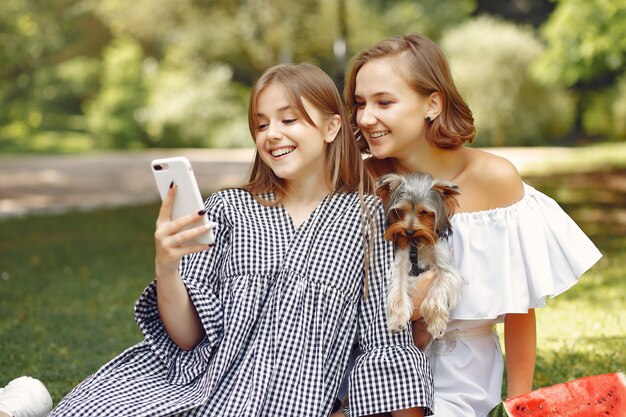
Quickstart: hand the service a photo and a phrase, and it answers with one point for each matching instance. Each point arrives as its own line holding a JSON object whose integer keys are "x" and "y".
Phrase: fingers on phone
{"x": 167, "y": 203}
{"x": 185, "y": 237}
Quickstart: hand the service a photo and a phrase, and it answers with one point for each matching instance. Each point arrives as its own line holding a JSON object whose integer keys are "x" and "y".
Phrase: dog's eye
{"x": 423, "y": 213}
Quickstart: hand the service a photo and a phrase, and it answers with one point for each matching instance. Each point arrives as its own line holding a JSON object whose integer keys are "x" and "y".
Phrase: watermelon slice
{"x": 598, "y": 395}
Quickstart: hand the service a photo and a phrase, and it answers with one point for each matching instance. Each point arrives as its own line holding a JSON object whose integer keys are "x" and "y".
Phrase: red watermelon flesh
{"x": 598, "y": 395}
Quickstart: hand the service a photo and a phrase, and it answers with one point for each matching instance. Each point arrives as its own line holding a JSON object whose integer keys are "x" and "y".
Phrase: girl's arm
{"x": 177, "y": 312}
{"x": 389, "y": 359}
{"x": 520, "y": 340}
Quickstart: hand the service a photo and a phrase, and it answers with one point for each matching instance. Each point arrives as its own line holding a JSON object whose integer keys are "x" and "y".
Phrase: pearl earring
{"x": 428, "y": 119}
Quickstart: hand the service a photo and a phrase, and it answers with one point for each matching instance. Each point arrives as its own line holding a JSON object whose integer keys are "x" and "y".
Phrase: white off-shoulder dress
{"x": 512, "y": 259}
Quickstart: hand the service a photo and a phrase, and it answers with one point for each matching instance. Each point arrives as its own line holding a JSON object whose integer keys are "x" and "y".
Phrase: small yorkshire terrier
{"x": 418, "y": 209}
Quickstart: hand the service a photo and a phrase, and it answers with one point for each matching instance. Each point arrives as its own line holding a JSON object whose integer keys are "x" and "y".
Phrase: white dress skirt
{"x": 512, "y": 259}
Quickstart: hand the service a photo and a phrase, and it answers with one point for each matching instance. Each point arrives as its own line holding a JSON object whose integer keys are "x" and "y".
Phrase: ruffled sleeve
{"x": 200, "y": 273}
{"x": 391, "y": 373}
{"x": 389, "y": 378}
{"x": 514, "y": 258}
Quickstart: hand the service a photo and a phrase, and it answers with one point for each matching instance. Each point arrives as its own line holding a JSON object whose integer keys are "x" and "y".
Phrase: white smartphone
{"x": 188, "y": 198}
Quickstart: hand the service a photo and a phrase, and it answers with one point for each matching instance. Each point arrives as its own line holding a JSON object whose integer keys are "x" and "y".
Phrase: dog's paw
{"x": 396, "y": 323}
{"x": 399, "y": 311}
{"x": 437, "y": 326}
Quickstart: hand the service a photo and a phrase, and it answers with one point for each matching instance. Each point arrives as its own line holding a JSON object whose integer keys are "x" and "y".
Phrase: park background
{"x": 89, "y": 77}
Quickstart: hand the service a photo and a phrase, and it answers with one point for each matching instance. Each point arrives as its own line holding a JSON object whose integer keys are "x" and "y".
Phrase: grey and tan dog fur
{"x": 418, "y": 209}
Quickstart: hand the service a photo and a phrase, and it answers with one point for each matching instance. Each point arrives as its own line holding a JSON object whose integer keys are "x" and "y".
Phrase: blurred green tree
{"x": 112, "y": 115}
{"x": 206, "y": 53}
{"x": 490, "y": 60}
{"x": 533, "y": 12}
{"x": 252, "y": 35}
{"x": 586, "y": 51}
{"x": 34, "y": 37}
{"x": 194, "y": 105}
{"x": 185, "y": 80}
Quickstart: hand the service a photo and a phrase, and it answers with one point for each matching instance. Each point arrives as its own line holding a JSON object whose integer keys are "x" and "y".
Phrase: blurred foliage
{"x": 490, "y": 60}
{"x": 586, "y": 42}
{"x": 533, "y": 12}
{"x": 161, "y": 73}
{"x": 111, "y": 116}
{"x": 605, "y": 114}
{"x": 36, "y": 37}
{"x": 195, "y": 105}
{"x": 586, "y": 51}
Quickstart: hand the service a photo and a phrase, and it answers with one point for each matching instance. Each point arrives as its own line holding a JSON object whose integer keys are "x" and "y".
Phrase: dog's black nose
{"x": 409, "y": 232}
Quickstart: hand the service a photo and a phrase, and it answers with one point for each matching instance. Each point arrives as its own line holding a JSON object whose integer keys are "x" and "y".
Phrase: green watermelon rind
{"x": 515, "y": 406}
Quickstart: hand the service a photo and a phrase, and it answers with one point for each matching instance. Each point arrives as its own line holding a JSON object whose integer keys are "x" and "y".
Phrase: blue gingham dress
{"x": 281, "y": 307}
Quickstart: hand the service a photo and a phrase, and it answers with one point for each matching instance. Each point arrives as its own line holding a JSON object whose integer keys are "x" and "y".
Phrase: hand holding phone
{"x": 177, "y": 170}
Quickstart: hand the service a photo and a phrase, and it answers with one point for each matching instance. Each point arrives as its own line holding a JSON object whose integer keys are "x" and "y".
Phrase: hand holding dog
{"x": 422, "y": 284}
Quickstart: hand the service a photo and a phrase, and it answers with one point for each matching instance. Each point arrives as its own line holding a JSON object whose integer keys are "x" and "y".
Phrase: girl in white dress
{"x": 513, "y": 245}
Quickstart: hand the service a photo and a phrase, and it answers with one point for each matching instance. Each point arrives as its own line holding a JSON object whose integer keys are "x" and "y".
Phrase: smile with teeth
{"x": 376, "y": 135}
{"x": 282, "y": 151}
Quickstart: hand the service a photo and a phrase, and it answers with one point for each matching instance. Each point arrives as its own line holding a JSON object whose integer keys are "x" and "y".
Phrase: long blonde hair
{"x": 343, "y": 157}
{"x": 346, "y": 171}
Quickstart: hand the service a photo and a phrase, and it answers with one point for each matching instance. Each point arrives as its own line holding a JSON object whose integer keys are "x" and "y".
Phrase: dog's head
{"x": 417, "y": 207}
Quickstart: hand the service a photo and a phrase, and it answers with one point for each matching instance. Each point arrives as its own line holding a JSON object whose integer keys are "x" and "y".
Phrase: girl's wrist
{"x": 165, "y": 274}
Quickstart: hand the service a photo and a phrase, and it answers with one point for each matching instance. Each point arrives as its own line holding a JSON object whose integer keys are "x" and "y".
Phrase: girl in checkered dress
{"x": 262, "y": 323}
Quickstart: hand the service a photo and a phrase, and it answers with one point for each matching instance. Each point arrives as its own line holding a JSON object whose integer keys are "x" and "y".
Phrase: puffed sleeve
{"x": 200, "y": 273}
{"x": 391, "y": 373}
{"x": 517, "y": 256}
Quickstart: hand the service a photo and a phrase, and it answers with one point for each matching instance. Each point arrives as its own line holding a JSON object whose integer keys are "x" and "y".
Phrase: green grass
{"x": 68, "y": 284}
{"x": 583, "y": 331}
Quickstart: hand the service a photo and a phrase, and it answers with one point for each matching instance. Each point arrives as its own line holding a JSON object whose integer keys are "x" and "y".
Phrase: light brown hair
{"x": 346, "y": 171}
{"x": 426, "y": 70}
{"x": 343, "y": 157}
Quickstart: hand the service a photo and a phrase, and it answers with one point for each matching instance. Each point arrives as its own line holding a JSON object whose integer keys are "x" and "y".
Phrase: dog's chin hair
{"x": 399, "y": 302}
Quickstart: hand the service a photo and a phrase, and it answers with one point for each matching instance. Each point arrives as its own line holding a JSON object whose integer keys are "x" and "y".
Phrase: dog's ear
{"x": 386, "y": 185}
{"x": 448, "y": 192}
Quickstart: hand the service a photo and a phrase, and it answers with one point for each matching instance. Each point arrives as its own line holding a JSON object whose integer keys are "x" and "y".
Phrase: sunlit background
{"x": 77, "y": 75}
{"x": 114, "y": 83}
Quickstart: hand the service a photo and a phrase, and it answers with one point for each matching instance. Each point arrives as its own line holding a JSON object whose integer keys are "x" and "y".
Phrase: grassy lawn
{"x": 68, "y": 284}
{"x": 583, "y": 331}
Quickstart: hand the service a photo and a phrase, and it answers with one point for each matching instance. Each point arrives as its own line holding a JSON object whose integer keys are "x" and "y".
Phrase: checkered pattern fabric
{"x": 281, "y": 307}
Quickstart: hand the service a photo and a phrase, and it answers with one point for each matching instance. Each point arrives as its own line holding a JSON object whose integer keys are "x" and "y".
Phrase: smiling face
{"x": 389, "y": 113}
{"x": 293, "y": 148}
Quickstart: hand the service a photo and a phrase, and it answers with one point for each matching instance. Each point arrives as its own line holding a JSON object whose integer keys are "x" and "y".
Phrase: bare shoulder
{"x": 494, "y": 178}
